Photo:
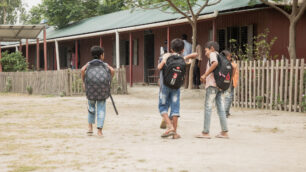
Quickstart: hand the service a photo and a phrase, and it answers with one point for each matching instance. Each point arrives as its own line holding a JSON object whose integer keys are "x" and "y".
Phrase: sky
{"x": 31, "y": 3}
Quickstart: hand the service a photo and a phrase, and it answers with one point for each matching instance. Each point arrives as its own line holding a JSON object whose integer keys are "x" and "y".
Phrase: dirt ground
{"x": 48, "y": 133}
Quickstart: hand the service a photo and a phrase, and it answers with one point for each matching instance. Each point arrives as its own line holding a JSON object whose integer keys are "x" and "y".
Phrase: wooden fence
{"x": 274, "y": 85}
{"x": 63, "y": 82}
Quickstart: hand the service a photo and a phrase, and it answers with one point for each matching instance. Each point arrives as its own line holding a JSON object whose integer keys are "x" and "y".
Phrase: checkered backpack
{"x": 97, "y": 80}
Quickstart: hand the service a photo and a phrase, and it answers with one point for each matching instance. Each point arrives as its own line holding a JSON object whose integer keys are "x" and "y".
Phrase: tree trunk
{"x": 292, "y": 38}
{"x": 194, "y": 44}
{"x": 4, "y": 15}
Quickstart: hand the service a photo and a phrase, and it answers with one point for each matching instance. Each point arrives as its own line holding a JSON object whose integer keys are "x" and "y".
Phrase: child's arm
{"x": 163, "y": 62}
{"x": 191, "y": 56}
{"x": 211, "y": 69}
{"x": 112, "y": 71}
{"x": 161, "y": 65}
{"x": 83, "y": 72}
{"x": 234, "y": 68}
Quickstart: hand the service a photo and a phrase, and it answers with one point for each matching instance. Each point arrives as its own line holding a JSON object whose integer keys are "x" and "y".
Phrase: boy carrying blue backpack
{"x": 96, "y": 76}
{"x": 173, "y": 68}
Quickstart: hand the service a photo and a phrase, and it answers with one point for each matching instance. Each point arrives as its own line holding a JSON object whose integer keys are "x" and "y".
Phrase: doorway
{"x": 148, "y": 55}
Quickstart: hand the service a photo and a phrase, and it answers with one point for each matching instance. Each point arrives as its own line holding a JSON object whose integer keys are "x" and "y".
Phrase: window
{"x": 243, "y": 35}
{"x": 125, "y": 52}
{"x": 210, "y": 35}
{"x": 135, "y": 52}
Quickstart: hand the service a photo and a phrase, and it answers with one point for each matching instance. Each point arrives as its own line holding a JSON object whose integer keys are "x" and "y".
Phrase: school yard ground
{"x": 48, "y": 133}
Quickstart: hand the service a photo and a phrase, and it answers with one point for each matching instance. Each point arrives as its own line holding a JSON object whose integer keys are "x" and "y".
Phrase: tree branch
{"x": 276, "y": 7}
{"x": 190, "y": 8}
{"x": 301, "y": 11}
{"x": 294, "y": 8}
{"x": 213, "y": 3}
{"x": 179, "y": 11}
{"x": 201, "y": 9}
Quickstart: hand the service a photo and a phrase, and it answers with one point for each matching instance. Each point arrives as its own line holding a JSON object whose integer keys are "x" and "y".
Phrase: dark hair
{"x": 96, "y": 51}
{"x": 226, "y": 53}
{"x": 177, "y": 45}
{"x": 184, "y": 37}
{"x": 212, "y": 44}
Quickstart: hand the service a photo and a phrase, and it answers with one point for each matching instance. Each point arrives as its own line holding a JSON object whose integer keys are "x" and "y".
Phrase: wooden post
{"x": 117, "y": 50}
{"x": 250, "y": 84}
{"x": 168, "y": 39}
{"x": 57, "y": 56}
{"x": 101, "y": 42}
{"x": 242, "y": 84}
{"x": 276, "y": 94}
{"x": 45, "y": 50}
{"x": 286, "y": 84}
{"x": 296, "y": 84}
{"x": 131, "y": 60}
{"x": 237, "y": 90}
{"x": 268, "y": 84}
{"x": 246, "y": 83}
{"x": 76, "y": 54}
{"x": 272, "y": 85}
{"x": 301, "y": 86}
{"x": 27, "y": 51}
{"x": 214, "y": 30}
{"x": 37, "y": 55}
{"x": 263, "y": 83}
{"x": 0, "y": 57}
{"x": 255, "y": 71}
{"x": 258, "y": 81}
{"x": 20, "y": 46}
{"x": 291, "y": 85}
{"x": 281, "y": 93}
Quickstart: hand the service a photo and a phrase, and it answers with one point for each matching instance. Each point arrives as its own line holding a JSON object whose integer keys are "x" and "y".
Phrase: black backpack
{"x": 174, "y": 71}
{"x": 97, "y": 81}
{"x": 223, "y": 72}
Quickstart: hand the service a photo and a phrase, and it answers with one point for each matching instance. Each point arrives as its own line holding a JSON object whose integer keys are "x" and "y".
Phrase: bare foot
{"x": 203, "y": 136}
{"x": 100, "y": 132}
{"x": 223, "y": 135}
{"x": 169, "y": 132}
{"x": 176, "y": 136}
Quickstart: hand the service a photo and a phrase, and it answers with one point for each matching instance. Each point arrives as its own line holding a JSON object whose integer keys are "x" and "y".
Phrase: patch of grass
{"x": 49, "y": 95}
{"x": 111, "y": 153}
{"x": 142, "y": 160}
{"x": 12, "y": 147}
{"x": 10, "y": 112}
{"x": 170, "y": 169}
{"x": 275, "y": 130}
{"x": 24, "y": 168}
{"x": 269, "y": 130}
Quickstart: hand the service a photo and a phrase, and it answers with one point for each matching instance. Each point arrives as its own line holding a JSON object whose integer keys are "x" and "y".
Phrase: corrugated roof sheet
{"x": 126, "y": 18}
{"x": 17, "y": 32}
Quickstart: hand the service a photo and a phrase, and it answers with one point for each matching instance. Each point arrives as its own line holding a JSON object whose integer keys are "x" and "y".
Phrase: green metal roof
{"x": 126, "y": 18}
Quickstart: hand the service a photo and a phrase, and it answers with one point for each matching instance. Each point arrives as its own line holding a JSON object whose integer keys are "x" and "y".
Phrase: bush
{"x": 8, "y": 85}
{"x": 13, "y": 62}
{"x": 259, "y": 51}
{"x": 29, "y": 90}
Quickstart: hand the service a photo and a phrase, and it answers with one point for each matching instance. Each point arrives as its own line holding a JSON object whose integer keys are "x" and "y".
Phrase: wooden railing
{"x": 63, "y": 82}
{"x": 274, "y": 85}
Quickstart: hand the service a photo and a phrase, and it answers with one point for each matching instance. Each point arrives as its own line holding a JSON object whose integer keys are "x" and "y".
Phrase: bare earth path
{"x": 40, "y": 133}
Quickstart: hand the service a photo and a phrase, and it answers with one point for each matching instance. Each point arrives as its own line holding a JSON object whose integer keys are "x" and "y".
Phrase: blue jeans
{"x": 100, "y": 112}
{"x": 229, "y": 95}
{"x": 213, "y": 94}
{"x": 169, "y": 98}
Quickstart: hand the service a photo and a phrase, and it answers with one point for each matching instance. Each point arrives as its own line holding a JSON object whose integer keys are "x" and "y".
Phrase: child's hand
{"x": 203, "y": 79}
{"x": 165, "y": 57}
{"x": 84, "y": 86}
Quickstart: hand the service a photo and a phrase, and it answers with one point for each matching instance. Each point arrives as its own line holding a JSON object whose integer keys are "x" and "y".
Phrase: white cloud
{"x": 30, "y": 3}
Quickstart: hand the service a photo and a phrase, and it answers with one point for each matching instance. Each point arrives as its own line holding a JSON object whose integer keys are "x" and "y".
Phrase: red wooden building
{"x": 148, "y": 30}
